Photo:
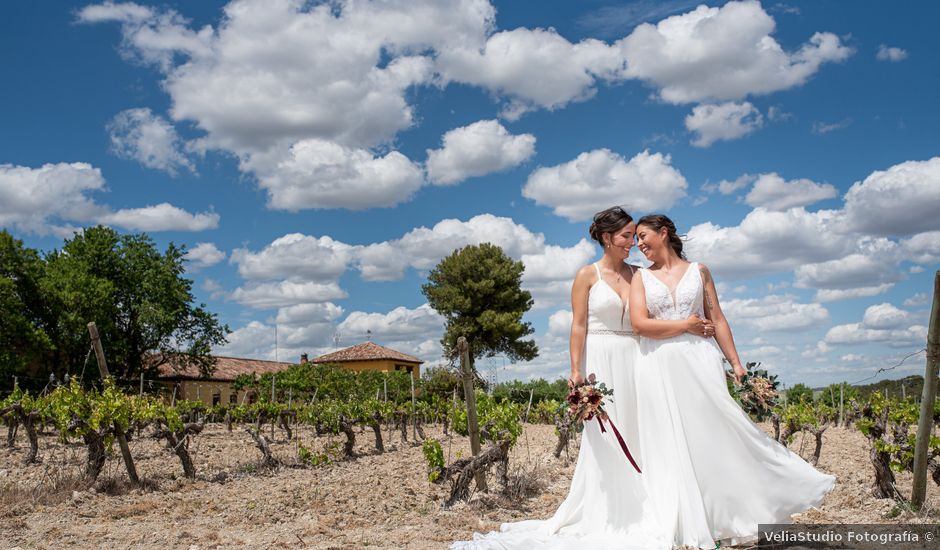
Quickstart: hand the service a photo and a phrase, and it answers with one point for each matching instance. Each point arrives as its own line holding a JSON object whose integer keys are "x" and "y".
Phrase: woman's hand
{"x": 575, "y": 379}
{"x": 739, "y": 373}
{"x": 700, "y": 327}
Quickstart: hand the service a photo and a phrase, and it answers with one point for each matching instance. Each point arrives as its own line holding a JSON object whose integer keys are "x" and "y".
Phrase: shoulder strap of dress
{"x": 598, "y": 270}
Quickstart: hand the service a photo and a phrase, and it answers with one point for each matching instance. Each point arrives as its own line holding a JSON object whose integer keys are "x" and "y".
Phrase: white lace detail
{"x": 688, "y": 300}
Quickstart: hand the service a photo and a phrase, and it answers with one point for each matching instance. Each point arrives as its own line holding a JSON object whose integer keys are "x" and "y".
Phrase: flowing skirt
{"x": 713, "y": 474}
{"x": 607, "y": 506}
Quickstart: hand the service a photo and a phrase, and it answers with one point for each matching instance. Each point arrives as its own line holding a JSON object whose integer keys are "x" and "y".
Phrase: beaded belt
{"x": 607, "y": 331}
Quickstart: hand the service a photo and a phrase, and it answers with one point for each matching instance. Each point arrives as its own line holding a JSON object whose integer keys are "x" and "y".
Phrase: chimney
{"x": 303, "y": 359}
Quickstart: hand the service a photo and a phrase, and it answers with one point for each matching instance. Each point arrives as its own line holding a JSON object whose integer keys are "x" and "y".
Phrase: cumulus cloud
{"x": 297, "y": 257}
{"x": 160, "y": 217}
{"x": 398, "y": 325}
{"x": 727, "y": 187}
{"x": 890, "y": 53}
{"x": 902, "y": 200}
{"x": 722, "y": 122}
{"x": 868, "y": 272}
{"x": 772, "y": 192}
{"x": 50, "y": 198}
{"x": 775, "y": 313}
{"x": 476, "y": 150}
{"x": 533, "y": 67}
{"x": 315, "y": 173}
{"x": 286, "y": 293}
{"x": 886, "y": 316}
{"x": 204, "y": 255}
{"x": 309, "y": 96}
{"x": 138, "y": 134}
{"x": 923, "y": 248}
{"x": 594, "y": 180}
{"x": 549, "y": 274}
{"x": 721, "y": 54}
{"x": 768, "y": 242}
{"x": 422, "y": 247}
{"x": 881, "y": 323}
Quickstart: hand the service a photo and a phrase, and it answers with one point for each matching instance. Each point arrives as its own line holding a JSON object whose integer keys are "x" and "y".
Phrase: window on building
{"x": 216, "y": 398}
{"x": 233, "y": 398}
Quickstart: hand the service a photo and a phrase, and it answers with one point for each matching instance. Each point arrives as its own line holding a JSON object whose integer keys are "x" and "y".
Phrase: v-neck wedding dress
{"x": 712, "y": 473}
{"x": 607, "y": 506}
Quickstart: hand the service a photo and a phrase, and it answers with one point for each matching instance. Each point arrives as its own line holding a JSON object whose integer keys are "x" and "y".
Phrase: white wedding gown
{"x": 607, "y": 506}
{"x": 712, "y": 472}
{"x": 708, "y": 472}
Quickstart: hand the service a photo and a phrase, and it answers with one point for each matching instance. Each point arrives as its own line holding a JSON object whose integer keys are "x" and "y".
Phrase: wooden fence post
{"x": 925, "y": 423}
{"x": 118, "y": 432}
{"x": 473, "y": 426}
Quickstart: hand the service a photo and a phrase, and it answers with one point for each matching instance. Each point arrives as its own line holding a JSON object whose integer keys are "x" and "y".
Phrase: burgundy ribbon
{"x": 623, "y": 445}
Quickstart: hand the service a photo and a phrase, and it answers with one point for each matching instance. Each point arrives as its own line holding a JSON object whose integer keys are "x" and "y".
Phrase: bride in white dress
{"x": 711, "y": 473}
{"x": 607, "y": 506}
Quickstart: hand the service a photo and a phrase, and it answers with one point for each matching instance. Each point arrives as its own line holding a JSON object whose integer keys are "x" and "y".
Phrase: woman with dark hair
{"x": 607, "y": 504}
{"x": 712, "y": 474}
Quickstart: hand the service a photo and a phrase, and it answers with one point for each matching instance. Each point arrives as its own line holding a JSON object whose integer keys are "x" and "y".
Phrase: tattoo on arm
{"x": 708, "y": 300}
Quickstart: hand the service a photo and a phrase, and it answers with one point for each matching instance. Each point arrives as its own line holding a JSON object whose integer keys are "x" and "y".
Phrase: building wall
{"x": 383, "y": 365}
{"x": 206, "y": 390}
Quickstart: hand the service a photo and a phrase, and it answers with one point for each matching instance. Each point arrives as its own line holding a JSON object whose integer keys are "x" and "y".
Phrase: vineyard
{"x": 344, "y": 466}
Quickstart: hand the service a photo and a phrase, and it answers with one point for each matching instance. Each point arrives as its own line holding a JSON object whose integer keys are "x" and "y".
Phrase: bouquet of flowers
{"x": 757, "y": 394}
{"x": 586, "y": 401}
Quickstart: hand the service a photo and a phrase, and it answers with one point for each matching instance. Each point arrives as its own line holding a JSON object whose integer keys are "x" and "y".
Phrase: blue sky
{"x": 318, "y": 159}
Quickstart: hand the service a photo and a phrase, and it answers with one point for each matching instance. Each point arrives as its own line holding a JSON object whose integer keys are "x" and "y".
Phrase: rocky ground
{"x": 375, "y": 501}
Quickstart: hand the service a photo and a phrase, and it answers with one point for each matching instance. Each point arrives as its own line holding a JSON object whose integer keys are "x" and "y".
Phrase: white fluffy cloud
{"x": 204, "y": 255}
{"x": 774, "y": 193}
{"x": 768, "y": 242}
{"x": 923, "y": 248}
{"x": 598, "y": 179}
{"x": 296, "y": 257}
{"x": 890, "y": 53}
{"x": 286, "y": 293}
{"x": 476, "y": 150}
{"x": 422, "y": 247}
{"x": 316, "y": 173}
{"x": 722, "y": 122}
{"x": 160, "y": 217}
{"x": 548, "y": 275}
{"x": 46, "y": 199}
{"x": 902, "y": 200}
{"x": 34, "y": 199}
{"x": 721, "y": 54}
{"x": 868, "y": 272}
{"x": 398, "y": 325}
{"x": 775, "y": 313}
{"x": 534, "y": 67}
{"x": 886, "y": 316}
{"x": 138, "y": 134}
{"x": 881, "y": 323}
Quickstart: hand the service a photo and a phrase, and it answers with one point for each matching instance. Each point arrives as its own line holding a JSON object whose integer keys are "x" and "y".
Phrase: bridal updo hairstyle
{"x": 657, "y": 222}
{"x": 608, "y": 221}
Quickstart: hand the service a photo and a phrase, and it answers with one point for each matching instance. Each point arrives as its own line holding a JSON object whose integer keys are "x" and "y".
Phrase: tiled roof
{"x": 365, "y": 352}
{"x": 226, "y": 368}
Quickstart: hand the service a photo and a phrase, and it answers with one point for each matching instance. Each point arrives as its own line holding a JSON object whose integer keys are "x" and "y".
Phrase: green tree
{"x": 24, "y": 316}
{"x": 139, "y": 299}
{"x": 478, "y": 291}
{"x": 799, "y": 393}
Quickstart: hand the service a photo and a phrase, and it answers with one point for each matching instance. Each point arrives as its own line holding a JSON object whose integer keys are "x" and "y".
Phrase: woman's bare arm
{"x": 580, "y": 290}
{"x": 722, "y": 329}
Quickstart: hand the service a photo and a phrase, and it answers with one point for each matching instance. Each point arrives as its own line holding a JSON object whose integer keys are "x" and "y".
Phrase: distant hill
{"x": 909, "y": 386}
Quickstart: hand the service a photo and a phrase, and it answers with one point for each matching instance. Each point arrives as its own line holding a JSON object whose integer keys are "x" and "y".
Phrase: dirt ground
{"x": 374, "y": 501}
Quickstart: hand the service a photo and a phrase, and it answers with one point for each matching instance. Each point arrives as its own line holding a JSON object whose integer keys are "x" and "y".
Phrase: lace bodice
{"x": 688, "y": 300}
{"x": 606, "y": 311}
